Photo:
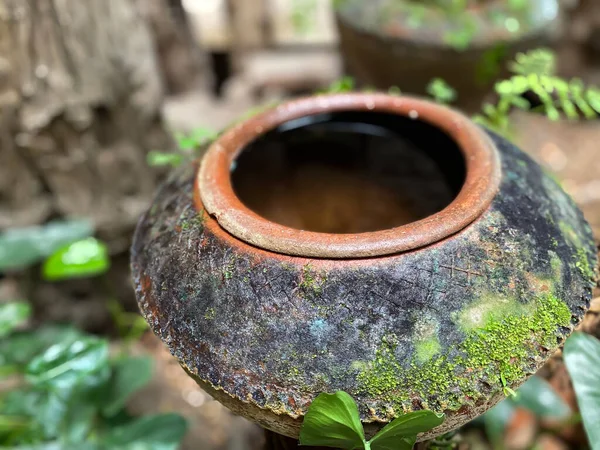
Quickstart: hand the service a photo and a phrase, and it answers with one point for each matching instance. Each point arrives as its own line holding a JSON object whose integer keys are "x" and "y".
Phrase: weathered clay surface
{"x": 445, "y": 327}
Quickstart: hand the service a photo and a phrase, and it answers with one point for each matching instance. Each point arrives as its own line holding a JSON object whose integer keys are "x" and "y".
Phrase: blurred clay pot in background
{"x": 406, "y": 43}
{"x": 385, "y": 246}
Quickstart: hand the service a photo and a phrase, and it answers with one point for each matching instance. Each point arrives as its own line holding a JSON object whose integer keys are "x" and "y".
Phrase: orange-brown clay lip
{"x": 481, "y": 182}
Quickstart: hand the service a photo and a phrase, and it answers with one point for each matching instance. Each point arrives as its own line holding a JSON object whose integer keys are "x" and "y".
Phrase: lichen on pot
{"x": 408, "y": 43}
{"x": 384, "y": 246}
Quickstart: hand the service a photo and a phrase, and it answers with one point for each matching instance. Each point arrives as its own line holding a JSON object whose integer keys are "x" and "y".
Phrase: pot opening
{"x": 349, "y": 172}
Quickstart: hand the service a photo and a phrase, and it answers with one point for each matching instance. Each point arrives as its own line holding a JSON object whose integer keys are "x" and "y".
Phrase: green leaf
{"x": 21, "y": 347}
{"x": 593, "y": 98}
{"x": 332, "y": 420}
{"x": 65, "y": 366}
{"x": 157, "y": 159}
{"x": 50, "y": 412}
{"x": 582, "y": 358}
{"x": 159, "y": 432}
{"x": 69, "y": 414}
{"x": 129, "y": 375}
{"x": 78, "y": 421}
{"x": 540, "y": 398}
{"x": 56, "y": 446}
{"x": 441, "y": 91}
{"x": 576, "y": 89}
{"x": 12, "y": 315}
{"x": 344, "y": 84}
{"x": 538, "y": 62}
{"x": 401, "y": 433}
{"x": 85, "y": 258}
{"x": 23, "y": 247}
{"x": 496, "y": 420}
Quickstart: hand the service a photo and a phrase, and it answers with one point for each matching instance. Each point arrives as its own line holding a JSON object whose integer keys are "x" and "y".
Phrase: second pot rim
{"x": 482, "y": 180}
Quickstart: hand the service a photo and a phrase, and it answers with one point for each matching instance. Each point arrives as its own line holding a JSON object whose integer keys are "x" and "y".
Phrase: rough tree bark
{"x": 80, "y": 99}
{"x": 184, "y": 67}
{"x": 80, "y": 95}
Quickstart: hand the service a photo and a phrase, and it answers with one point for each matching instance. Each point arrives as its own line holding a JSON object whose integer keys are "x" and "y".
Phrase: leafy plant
{"x": 12, "y": 315}
{"x": 534, "y": 75}
{"x": 535, "y": 395}
{"x": 441, "y": 91}
{"x": 72, "y": 394}
{"x": 187, "y": 146}
{"x": 24, "y": 247}
{"x": 582, "y": 358}
{"x": 85, "y": 258}
{"x": 344, "y": 84}
{"x": 131, "y": 326}
{"x": 333, "y": 420}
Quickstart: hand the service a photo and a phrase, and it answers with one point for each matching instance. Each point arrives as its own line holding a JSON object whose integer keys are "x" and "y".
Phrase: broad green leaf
{"x": 160, "y": 432}
{"x": 65, "y": 366}
{"x": 22, "y": 346}
{"x": 85, "y": 258}
{"x": 12, "y": 315}
{"x": 496, "y": 420}
{"x": 401, "y": 433}
{"x": 582, "y": 358}
{"x": 23, "y": 247}
{"x": 332, "y": 420}
{"x": 50, "y": 412}
{"x": 69, "y": 414}
{"x": 540, "y": 398}
{"x": 23, "y": 404}
{"x": 129, "y": 375}
{"x": 78, "y": 420}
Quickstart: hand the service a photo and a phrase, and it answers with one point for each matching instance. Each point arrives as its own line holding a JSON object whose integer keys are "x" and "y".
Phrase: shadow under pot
{"x": 408, "y": 43}
{"x": 383, "y": 246}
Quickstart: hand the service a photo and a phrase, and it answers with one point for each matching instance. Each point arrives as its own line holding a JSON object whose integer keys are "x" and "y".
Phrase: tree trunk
{"x": 80, "y": 99}
{"x": 183, "y": 65}
{"x": 80, "y": 95}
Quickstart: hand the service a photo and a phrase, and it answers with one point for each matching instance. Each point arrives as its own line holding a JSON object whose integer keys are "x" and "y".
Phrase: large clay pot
{"x": 383, "y": 45}
{"x": 380, "y": 245}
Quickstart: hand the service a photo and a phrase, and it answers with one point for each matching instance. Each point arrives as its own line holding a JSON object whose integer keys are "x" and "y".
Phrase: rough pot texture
{"x": 406, "y": 44}
{"x": 444, "y": 325}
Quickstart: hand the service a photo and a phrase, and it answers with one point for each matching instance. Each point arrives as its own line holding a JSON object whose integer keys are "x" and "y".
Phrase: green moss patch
{"x": 427, "y": 349}
{"x": 498, "y": 345}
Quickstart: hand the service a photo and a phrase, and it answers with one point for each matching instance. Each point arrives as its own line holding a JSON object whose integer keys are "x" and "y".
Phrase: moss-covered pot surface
{"x": 445, "y": 327}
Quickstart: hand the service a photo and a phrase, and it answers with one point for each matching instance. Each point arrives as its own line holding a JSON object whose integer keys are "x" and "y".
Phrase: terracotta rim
{"x": 482, "y": 180}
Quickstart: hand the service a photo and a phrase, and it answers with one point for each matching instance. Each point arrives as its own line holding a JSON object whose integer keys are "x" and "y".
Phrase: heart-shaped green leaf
{"x": 85, "y": 258}
{"x": 401, "y": 433}
{"x": 582, "y": 358}
{"x": 333, "y": 421}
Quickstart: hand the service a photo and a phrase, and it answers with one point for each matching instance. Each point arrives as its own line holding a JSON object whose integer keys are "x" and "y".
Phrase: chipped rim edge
{"x": 482, "y": 181}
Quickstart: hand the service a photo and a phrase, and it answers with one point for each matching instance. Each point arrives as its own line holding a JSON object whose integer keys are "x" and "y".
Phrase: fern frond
{"x": 540, "y": 61}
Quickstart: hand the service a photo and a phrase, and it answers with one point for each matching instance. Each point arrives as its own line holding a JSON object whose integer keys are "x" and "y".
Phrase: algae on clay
{"x": 498, "y": 350}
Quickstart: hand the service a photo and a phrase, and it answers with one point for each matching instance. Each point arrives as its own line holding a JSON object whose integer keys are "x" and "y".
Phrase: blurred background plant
{"x": 88, "y": 135}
